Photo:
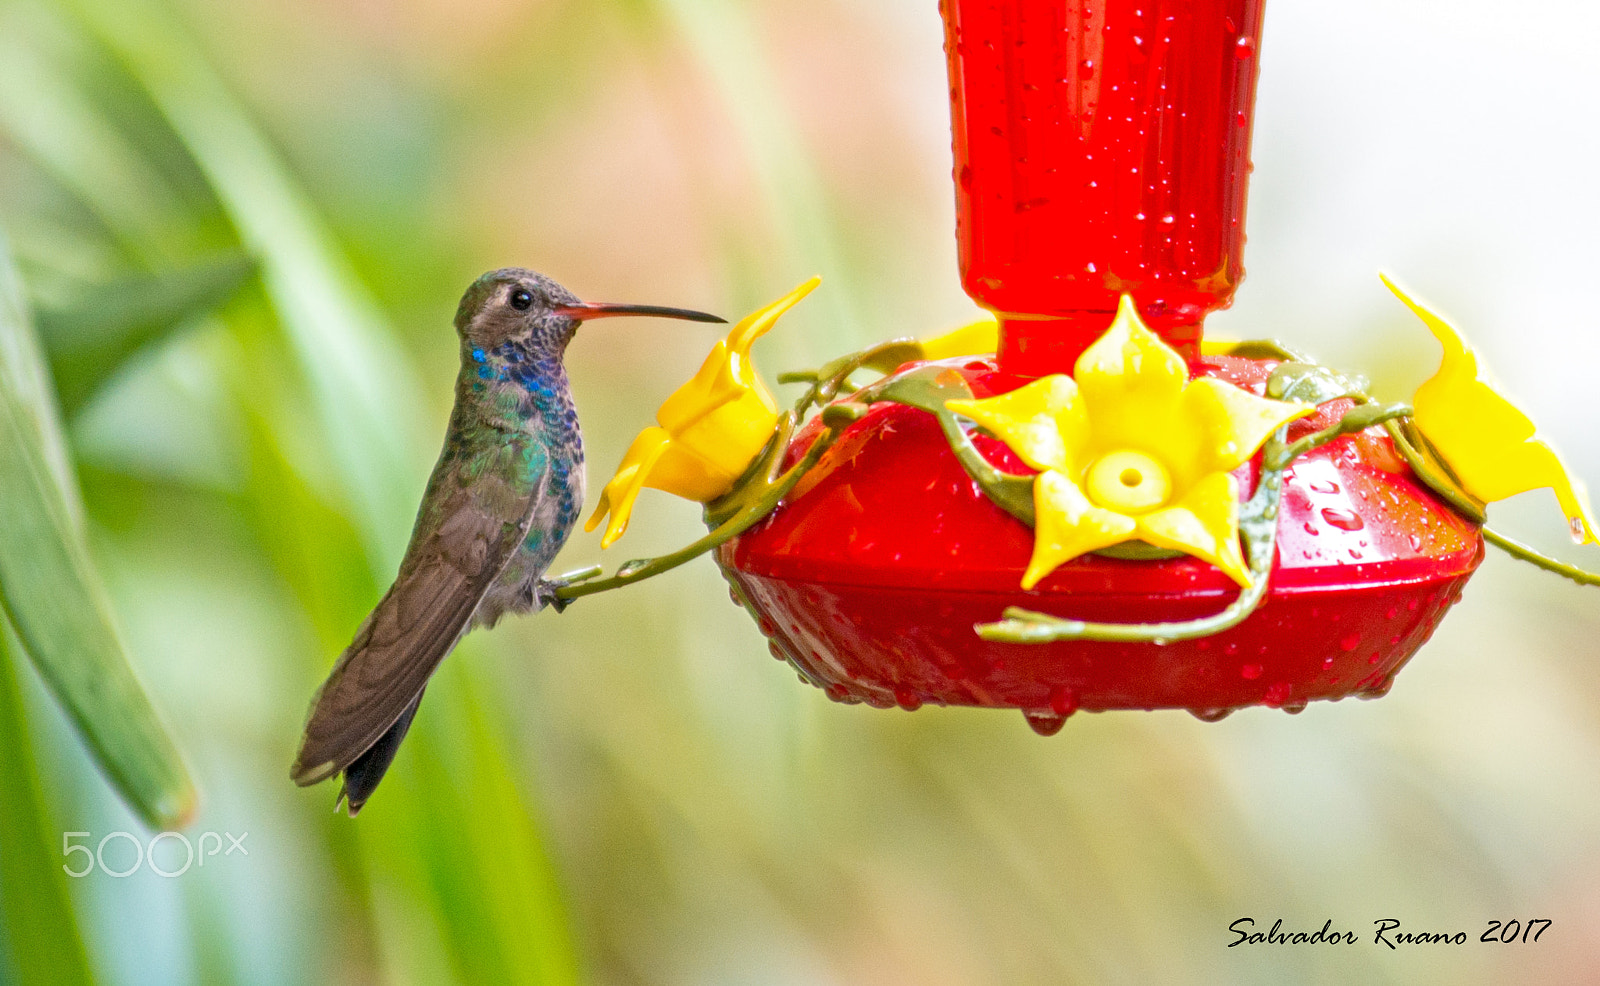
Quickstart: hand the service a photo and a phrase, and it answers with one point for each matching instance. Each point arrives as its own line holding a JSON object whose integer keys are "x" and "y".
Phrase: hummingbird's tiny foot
{"x": 544, "y": 594}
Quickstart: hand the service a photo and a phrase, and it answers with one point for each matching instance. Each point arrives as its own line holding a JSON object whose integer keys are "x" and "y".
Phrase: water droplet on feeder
{"x": 1344, "y": 520}
{"x": 1377, "y": 690}
{"x": 1350, "y": 642}
{"x": 1323, "y": 486}
{"x": 1244, "y": 48}
{"x": 1044, "y": 723}
{"x": 907, "y": 699}
{"x": 1277, "y": 693}
{"x": 1211, "y": 715}
{"x": 1294, "y": 708}
{"x": 1250, "y": 672}
{"x": 1063, "y": 701}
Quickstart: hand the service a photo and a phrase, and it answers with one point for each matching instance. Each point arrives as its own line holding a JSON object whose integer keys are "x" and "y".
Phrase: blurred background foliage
{"x": 243, "y": 229}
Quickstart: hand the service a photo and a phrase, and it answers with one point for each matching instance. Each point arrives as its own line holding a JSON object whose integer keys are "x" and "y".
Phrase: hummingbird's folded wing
{"x": 458, "y": 550}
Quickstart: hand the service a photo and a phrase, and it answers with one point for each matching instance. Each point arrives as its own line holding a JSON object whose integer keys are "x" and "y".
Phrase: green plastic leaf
{"x": 52, "y": 596}
{"x": 90, "y": 341}
{"x": 1309, "y": 383}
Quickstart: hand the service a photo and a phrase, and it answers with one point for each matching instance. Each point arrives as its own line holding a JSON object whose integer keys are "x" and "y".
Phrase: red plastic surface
{"x": 1101, "y": 147}
{"x": 870, "y": 577}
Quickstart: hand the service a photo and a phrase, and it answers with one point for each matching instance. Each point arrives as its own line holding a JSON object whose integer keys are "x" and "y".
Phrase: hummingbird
{"x": 502, "y": 499}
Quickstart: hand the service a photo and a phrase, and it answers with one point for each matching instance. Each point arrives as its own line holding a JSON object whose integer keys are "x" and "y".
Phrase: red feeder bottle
{"x": 1101, "y": 147}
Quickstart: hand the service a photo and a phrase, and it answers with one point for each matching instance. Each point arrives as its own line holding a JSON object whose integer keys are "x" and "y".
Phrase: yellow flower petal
{"x": 1132, "y": 386}
{"x": 1068, "y": 525}
{"x": 978, "y": 338}
{"x": 756, "y": 324}
{"x": 711, "y": 428}
{"x": 1042, "y": 422}
{"x": 1488, "y": 443}
{"x": 1235, "y": 421}
{"x": 727, "y": 372}
{"x": 1130, "y": 379}
{"x": 1204, "y": 523}
{"x": 703, "y": 462}
{"x": 618, "y": 496}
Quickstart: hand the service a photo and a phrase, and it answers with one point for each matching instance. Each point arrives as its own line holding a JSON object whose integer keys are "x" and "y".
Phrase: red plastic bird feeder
{"x": 1101, "y": 149}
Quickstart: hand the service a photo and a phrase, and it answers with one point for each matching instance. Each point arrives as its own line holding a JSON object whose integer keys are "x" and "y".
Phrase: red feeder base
{"x": 869, "y": 580}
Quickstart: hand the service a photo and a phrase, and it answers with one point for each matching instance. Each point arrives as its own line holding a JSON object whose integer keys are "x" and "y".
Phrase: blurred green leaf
{"x": 89, "y": 342}
{"x": 360, "y": 380}
{"x": 50, "y": 592}
{"x": 41, "y": 937}
{"x": 49, "y": 111}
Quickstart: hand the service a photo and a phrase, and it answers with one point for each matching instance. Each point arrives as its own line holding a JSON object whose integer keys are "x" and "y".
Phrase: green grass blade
{"x": 53, "y": 598}
{"x": 41, "y": 935}
{"x": 23, "y": 373}
{"x": 89, "y": 342}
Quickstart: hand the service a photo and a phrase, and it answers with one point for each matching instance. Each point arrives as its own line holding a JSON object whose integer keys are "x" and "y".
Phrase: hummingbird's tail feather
{"x": 361, "y": 777}
{"x": 375, "y": 686}
{"x": 382, "y": 674}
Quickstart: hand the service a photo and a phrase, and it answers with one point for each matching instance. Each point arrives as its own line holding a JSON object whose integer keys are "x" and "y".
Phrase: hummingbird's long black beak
{"x": 584, "y": 311}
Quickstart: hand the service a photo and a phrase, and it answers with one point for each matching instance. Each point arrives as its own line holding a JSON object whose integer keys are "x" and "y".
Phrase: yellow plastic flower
{"x": 982, "y": 336}
{"x": 1132, "y": 449}
{"x": 1489, "y": 444}
{"x": 710, "y": 429}
{"x": 977, "y": 338}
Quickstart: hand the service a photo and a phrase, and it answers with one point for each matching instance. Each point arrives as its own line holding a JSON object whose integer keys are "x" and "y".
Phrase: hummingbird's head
{"x": 537, "y": 315}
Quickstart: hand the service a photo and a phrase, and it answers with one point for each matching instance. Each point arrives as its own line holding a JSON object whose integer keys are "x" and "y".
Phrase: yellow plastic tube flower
{"x": 977, "y": 338}
{"x": 1132, "y": 449}
{"x": 710, "y": 429}
{"x": 1485, "y": 440}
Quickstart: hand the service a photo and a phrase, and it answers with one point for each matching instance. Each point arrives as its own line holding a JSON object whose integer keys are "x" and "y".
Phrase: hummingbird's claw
{"x": 544, "y": 593}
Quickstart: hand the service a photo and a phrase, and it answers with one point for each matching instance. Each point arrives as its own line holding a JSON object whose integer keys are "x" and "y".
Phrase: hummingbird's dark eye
{"x": 521, "y": 300}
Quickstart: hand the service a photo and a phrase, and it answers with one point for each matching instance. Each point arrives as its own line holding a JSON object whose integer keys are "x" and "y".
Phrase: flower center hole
{"x": 1131, "y": 477}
